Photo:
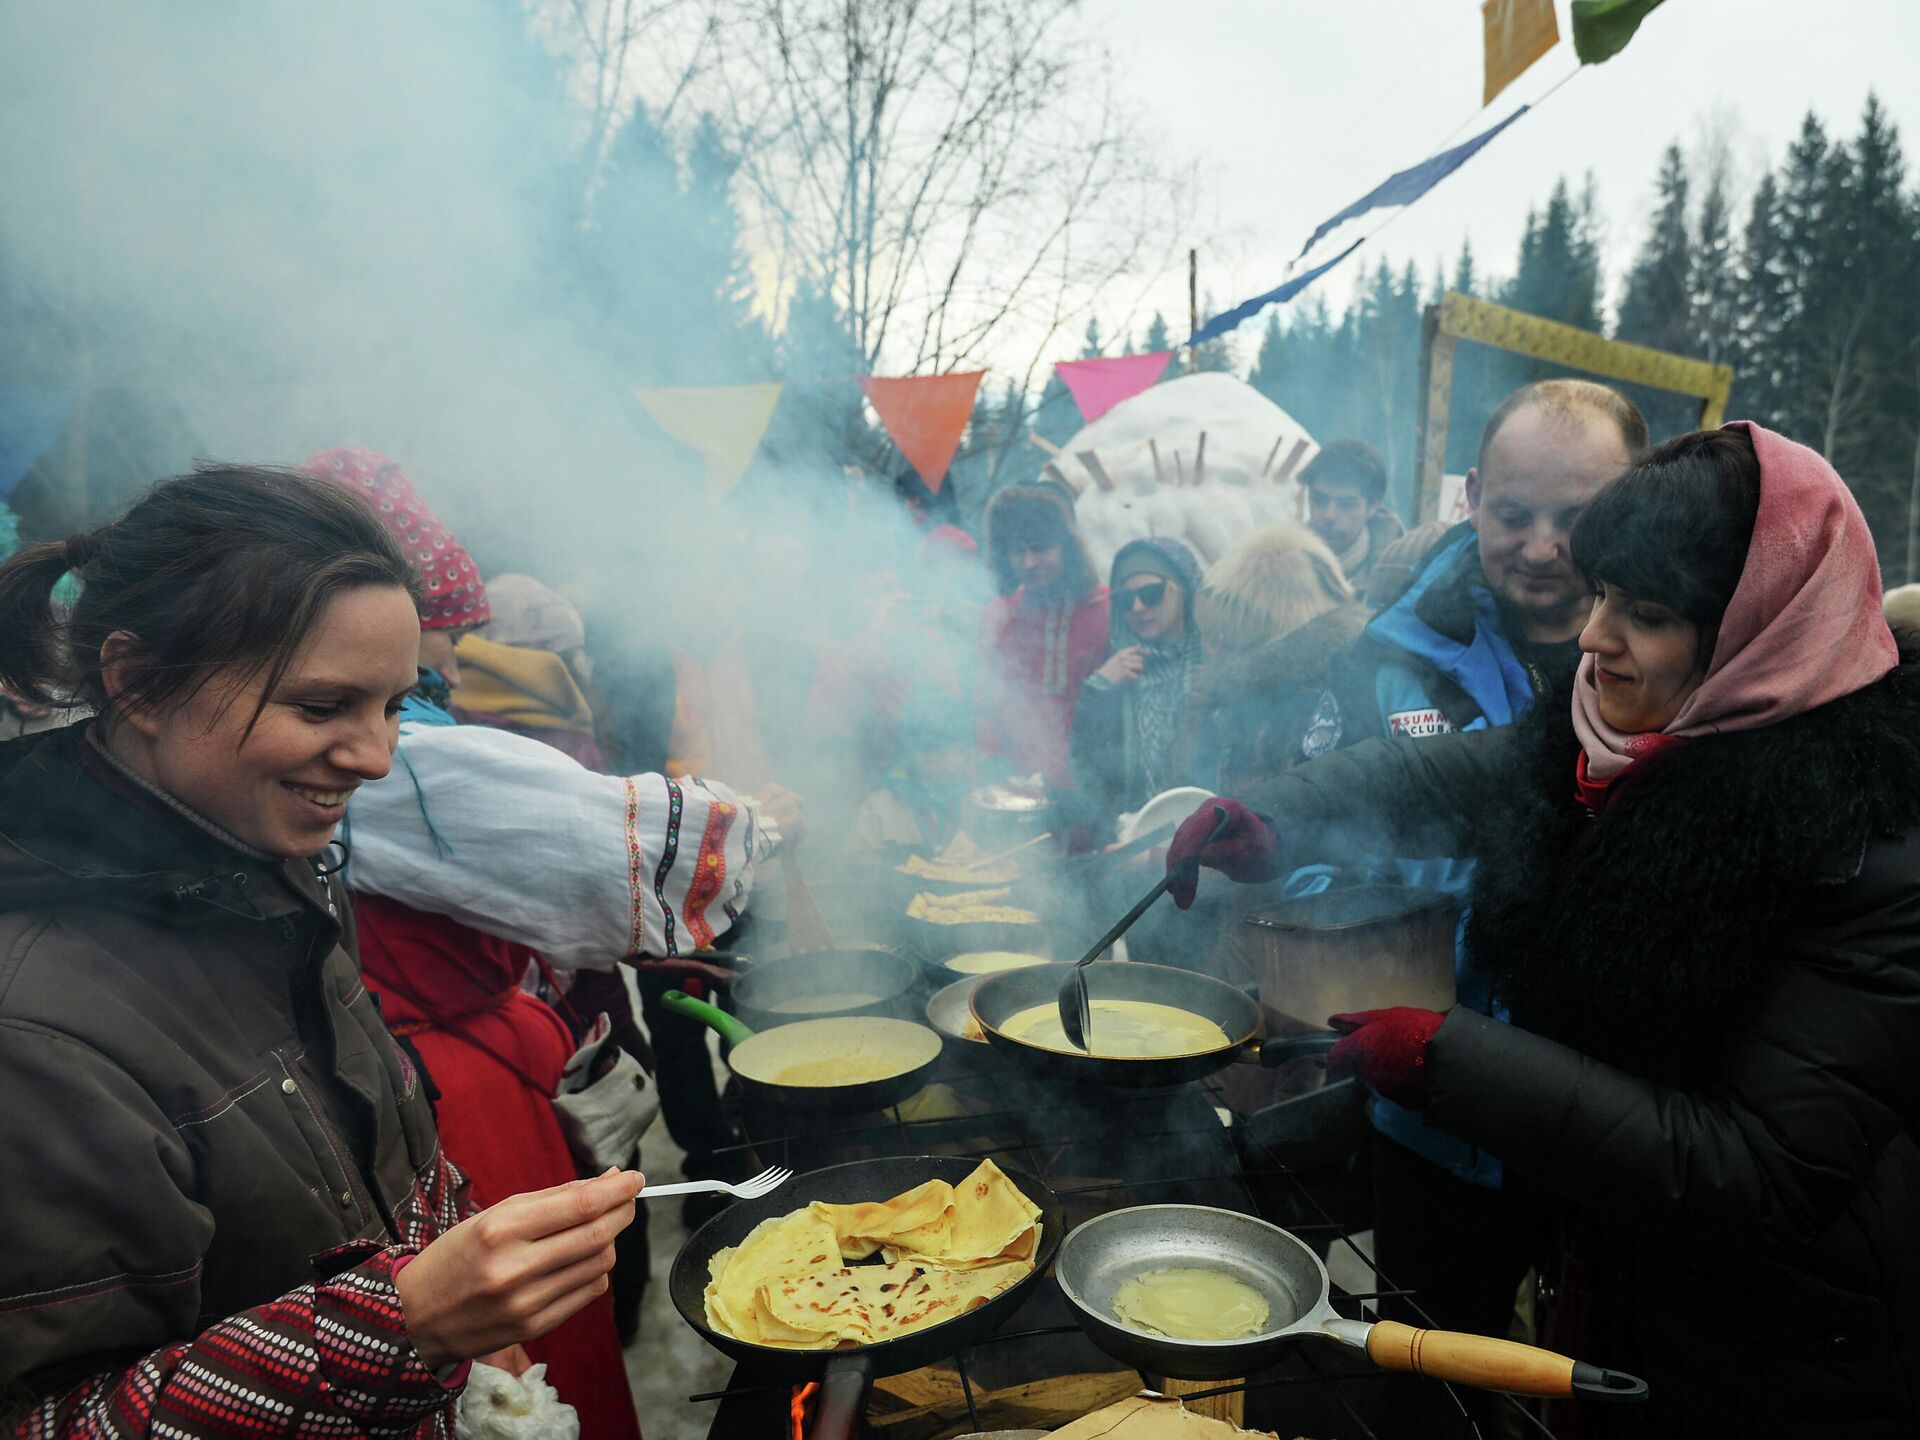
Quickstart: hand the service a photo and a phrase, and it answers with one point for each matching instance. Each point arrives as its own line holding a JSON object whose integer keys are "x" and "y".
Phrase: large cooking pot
{"x": 998, "y": 998}
{"x": 998, "y": 817}
{"x": 1365, "y": 947}
{"x": 1106, "y": 1252}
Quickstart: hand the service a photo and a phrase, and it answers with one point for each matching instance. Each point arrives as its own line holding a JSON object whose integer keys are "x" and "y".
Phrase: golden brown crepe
{"x": 960, "y": 863}
{"x": 947, "y": 1249}
{"x": 972, "y": 907}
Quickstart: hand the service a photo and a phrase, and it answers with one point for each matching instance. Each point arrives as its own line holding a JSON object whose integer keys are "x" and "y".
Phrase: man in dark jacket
{"x": 1489, "y": 623}
{"x": 1346, "y": 506}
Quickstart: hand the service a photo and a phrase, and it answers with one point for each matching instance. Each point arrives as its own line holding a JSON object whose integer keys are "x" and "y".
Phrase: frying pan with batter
{"x": 1111, "y": 1249}
{"x": 886, "y": 1059}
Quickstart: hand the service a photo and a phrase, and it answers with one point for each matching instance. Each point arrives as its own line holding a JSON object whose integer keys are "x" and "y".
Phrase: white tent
{"x": 1205, "y": 458}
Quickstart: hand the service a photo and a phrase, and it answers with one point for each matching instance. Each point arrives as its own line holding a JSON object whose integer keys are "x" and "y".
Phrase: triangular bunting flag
{"x": 1221, "y": 323}
{"x": 1099, "y": 385}
{"x": 723, "y": 422}
{"x": 1602, "y": 28}
{"x": 925, "y": 415}
{"x": 1410, "y": 184}
{"x": 1518, "y": 32}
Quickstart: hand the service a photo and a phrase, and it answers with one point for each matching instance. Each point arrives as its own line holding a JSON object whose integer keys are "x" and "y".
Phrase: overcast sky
{"x": 1293, "y": 108}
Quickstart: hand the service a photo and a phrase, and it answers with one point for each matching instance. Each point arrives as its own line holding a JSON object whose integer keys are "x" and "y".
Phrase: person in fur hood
{"x": 1273, "y": 615}
{"x": 1699, "y": 898}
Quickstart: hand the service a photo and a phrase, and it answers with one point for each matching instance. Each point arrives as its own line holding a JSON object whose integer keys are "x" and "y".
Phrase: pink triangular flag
{"x": 1099, "y": 385}
{"x": 925, "y": 415}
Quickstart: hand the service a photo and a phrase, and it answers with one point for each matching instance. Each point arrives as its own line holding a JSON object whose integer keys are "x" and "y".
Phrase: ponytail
{"x": 227, "y": 568}
{"x": 34, "y": 660}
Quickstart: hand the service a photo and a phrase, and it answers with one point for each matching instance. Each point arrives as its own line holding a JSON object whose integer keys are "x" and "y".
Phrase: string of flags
{"x": 1517, "y": 33}
{"x": 926, "y": 415}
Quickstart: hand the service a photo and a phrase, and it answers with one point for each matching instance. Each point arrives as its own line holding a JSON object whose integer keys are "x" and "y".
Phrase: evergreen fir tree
{"x": 1759, "y": 382}
{"x": 1466, "y": 279}
{"x": 1713, "y": 297}
{"x": 1657, "y": 308}
{"x": 1214, "y": 354}
{"x": 1269, "y": 372}
{"x": 1157, "y": 337}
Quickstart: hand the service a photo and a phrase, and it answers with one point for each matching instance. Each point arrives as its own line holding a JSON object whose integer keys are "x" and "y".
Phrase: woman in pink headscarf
{"x": 1699, "y": 893}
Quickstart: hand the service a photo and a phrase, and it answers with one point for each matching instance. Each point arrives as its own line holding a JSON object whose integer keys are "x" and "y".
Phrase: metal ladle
{"x": 1076, "y": 1009}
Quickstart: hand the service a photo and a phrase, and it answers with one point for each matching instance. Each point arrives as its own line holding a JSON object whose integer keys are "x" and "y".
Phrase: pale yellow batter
{"x": 987, "y": 962}
{"x": 1122, "y": 1030}
{"x": 834, "y": 1001}
{"x": 1192, "y": 1304}
{"x": 838, "y": 1070}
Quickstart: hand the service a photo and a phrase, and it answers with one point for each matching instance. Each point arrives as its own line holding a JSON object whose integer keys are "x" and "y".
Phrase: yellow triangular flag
{"x": 1518, "y": 32}
{"x": 723, "y": 422}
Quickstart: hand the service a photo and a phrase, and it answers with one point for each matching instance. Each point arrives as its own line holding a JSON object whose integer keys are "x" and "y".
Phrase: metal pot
{"x": 1361, "y": 948}
{"x": 998, "y": 817}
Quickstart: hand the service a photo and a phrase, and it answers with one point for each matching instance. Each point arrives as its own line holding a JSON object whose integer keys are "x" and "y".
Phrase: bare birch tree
{"x": 945, "y": 169}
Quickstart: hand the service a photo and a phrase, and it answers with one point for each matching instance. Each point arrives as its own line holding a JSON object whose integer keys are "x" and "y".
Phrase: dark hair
{"x": 1564, "y": 399}
{"x": 1038, "y": 512}
{"x": 1349, "y": 462}
{"x": 1675, "y": 528}
{"x": 228, "y": 566}
{"x": 940, "y": 503}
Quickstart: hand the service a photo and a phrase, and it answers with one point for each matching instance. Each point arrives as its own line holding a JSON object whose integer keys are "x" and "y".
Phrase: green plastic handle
{"x": 728, "y": 1028}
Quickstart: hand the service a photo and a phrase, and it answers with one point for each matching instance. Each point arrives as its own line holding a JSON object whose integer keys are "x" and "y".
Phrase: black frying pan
{"x": 824, "y": 983}
{"x": 845, "y": 1375}
{"x": 998, "y": 998}
{"x": 898, "y": 1054}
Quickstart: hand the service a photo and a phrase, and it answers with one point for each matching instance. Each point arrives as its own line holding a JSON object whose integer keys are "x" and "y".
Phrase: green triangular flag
{"x": 1602, "y": 28}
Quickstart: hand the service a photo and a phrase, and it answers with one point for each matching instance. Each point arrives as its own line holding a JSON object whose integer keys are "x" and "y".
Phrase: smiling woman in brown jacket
{"x": 226, "y": 1211}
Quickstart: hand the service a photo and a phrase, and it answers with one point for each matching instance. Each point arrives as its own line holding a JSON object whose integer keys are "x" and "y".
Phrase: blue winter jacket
{"x": 1437, "y": 659}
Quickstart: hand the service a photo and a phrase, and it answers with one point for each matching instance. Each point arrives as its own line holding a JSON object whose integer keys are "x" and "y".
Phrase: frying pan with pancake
{"x": 846, "y": 1374}
{"x": 998, "y": 998}
{"x": 1109, "y": 1250}
{"x": 794, "y": 1065}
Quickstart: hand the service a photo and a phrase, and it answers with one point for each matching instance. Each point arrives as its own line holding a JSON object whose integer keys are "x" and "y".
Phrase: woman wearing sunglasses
{"x": 1131, "y": 708}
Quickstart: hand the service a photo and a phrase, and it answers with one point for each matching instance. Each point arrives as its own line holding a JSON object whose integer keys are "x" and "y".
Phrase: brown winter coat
{"x": 200, "y": 1096}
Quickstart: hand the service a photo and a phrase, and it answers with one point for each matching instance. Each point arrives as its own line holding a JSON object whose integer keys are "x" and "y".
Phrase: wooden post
{"x": 1193, "y": 308}
{"x": 1200, "y": 460}
{"x": 1159, "y": 474}
{"x": 1436, "y": 396}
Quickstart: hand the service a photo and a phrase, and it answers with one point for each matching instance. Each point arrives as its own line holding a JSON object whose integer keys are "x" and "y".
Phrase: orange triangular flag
{"x": 925, "y": 415}
{"x": 1519, "y": 32}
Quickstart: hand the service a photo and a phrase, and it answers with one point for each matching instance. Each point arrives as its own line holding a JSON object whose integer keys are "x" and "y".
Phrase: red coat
{"x": 445, "y": 987}
{"x": 1034, "y": 659}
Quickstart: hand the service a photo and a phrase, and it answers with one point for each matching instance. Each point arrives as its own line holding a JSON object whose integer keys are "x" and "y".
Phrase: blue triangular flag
{"x": 1409, "y": 185}
{"x": 1220, "y": 324}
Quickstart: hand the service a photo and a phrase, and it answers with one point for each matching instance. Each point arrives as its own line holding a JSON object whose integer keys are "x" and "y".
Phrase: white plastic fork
{"x": 761, "y": 1184}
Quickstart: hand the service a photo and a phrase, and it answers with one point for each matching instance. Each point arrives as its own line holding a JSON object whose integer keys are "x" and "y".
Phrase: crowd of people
{"x": 321, "y": 854}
